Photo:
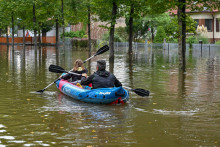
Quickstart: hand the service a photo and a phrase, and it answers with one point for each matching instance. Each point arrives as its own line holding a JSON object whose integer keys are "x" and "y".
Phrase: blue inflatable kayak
{"x": 116, "y": 95}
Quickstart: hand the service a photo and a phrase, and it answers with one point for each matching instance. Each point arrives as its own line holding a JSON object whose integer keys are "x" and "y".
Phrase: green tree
{"x": 136, "y": 12}
{"x": 172, "y": 28}
{"x": 4, "y": 19}
{"x": 109, "y": 11}
{"x": 159, "y": 38}
{"x": 155, "y": 20}
{"x": 121, "y": 31}
{"x": 10, "y": 8}
{"x": 181, "y": 5}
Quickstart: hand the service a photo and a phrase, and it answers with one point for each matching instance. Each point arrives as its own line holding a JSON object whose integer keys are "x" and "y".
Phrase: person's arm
{"x": 66, "y": 76}
{"x": 86, "y": 70}
{"x": 86, "y": 81}
{"x": 117, "y": 83}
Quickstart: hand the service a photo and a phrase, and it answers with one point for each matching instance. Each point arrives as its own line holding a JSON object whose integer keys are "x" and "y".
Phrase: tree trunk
{"x": 111, "y": 39}
{"x": 131, "y": 29}
{"x": 89, "y": 31}
{"x": 182, "y": 34}
{"x": 39, "y": 38}
{"x": 44, "y": 34}
{"x": 181, "y": 84}
{"x": 35, "y": 30}
{"x": 130, "y": 68}
{"x": 152, "y": 33}
{"x": 63, "y": 22}
{"x": 23, "y": 35}
{"x": 0, "y": 32}
{"x": 7, "y": 36}
{"x": 57, "y": 33}
{"x": 13, "y": 29}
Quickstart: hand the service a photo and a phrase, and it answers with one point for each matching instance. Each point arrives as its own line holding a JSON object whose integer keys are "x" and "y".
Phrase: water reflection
{"x": 182, "y": 84}
{"x": 183, "y": 107}
{"x": 95, "y": 121}
{"x": 130, "y": 68}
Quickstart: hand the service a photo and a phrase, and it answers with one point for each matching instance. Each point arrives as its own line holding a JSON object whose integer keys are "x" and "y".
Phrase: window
{"x": 208, "y": 24}
{"x": 197, "y": 22}
{"x": 217, "y": 25}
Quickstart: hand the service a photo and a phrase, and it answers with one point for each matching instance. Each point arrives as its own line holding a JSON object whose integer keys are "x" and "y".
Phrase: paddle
{"x": 100, "y": 51}
{"x": 58, "y": 69}
{"x": 42, "y": 90}
{"x": 139, "y": 91}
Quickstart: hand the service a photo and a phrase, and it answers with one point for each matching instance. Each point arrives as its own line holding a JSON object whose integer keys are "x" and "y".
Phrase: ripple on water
{"x": 141, "y": 110}
{"x": 165, "y": 112}
{"x": 7, "y": 137}
{"x": 2, "y": 131}
{"x": 2, "y": 126}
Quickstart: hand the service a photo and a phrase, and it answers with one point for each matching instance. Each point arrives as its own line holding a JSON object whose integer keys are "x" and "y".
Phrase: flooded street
{"x": 183, "y": 109}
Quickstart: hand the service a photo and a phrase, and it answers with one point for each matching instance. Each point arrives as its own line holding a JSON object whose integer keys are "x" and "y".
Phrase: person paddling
{"x": 101, "y": 78}
{"x": 79, "y": 69}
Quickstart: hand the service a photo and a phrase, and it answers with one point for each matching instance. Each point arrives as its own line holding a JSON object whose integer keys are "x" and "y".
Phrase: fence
{"x": 29, "y": 40}
{"x": 170, "y": 49}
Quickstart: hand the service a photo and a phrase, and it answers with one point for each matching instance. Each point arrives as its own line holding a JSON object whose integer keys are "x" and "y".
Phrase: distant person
{"x": 79, "y": 69}
{"x": 101, "y": 78}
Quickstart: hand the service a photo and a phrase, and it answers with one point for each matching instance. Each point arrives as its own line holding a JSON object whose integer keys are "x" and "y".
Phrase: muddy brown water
{"x": 182, "y": 110}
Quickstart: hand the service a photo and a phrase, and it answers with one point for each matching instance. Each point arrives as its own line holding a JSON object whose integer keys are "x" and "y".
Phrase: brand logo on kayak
{"x": 66, "y": 90}
{"x": 105, "y": 93}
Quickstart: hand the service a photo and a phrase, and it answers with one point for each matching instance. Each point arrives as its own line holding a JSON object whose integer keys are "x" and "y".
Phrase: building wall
{"x": 217, "y": 34}
{"x": 202, "y": 17}
{"x": 98, "y": 28}
{"x": 29, "y": 40}
{"x": 51, "y": 33}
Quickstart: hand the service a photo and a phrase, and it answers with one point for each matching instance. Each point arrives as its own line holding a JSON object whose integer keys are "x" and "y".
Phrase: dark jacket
{"x": 74, "y": 77}
{"x": 101, "y": 79}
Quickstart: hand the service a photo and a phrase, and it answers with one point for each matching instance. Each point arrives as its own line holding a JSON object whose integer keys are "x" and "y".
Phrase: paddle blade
{"x": 41, "y": 91}
{"x": 56, "y": 69}
{"x": 141, "y": 92}
{"x": 102, "y": 50}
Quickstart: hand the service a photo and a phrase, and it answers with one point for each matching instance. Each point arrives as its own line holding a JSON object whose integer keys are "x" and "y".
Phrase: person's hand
{"x": 84, "y": 75}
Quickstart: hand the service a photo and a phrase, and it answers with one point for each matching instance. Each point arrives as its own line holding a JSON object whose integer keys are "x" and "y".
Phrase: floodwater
{"x": 183, "y": 109}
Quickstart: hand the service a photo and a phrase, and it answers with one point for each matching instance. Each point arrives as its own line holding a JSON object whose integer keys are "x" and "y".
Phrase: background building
{"x": 210, "y": 19}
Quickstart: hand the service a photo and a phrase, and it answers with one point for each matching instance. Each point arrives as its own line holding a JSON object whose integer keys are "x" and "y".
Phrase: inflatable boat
{"x": 115, "y": 95}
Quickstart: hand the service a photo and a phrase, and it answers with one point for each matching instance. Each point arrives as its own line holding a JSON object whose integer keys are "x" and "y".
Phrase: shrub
{"x": 195, "y": 39}
{"x": 191, "y": 40}
{"x": 121, "y": 31}
{"x": 82, "y": 43}
{"x": 160, "y": 35}
{"x": 218, "y": 42}
{"x": 77, "y": 34}
{"x": 205, "y": 40}
{"x": 105, "y": 37}
{"x": 117, "y": 37}
{"x": 173, "y": 40}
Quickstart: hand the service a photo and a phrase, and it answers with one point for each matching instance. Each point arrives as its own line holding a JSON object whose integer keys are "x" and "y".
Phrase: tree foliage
{"x": 147, "y": 13}
{"x": 140, "y": 28}
{"x": 47, "y": 11}
{"x": 172, "y": 27}
{"x": 159, "y": 38}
